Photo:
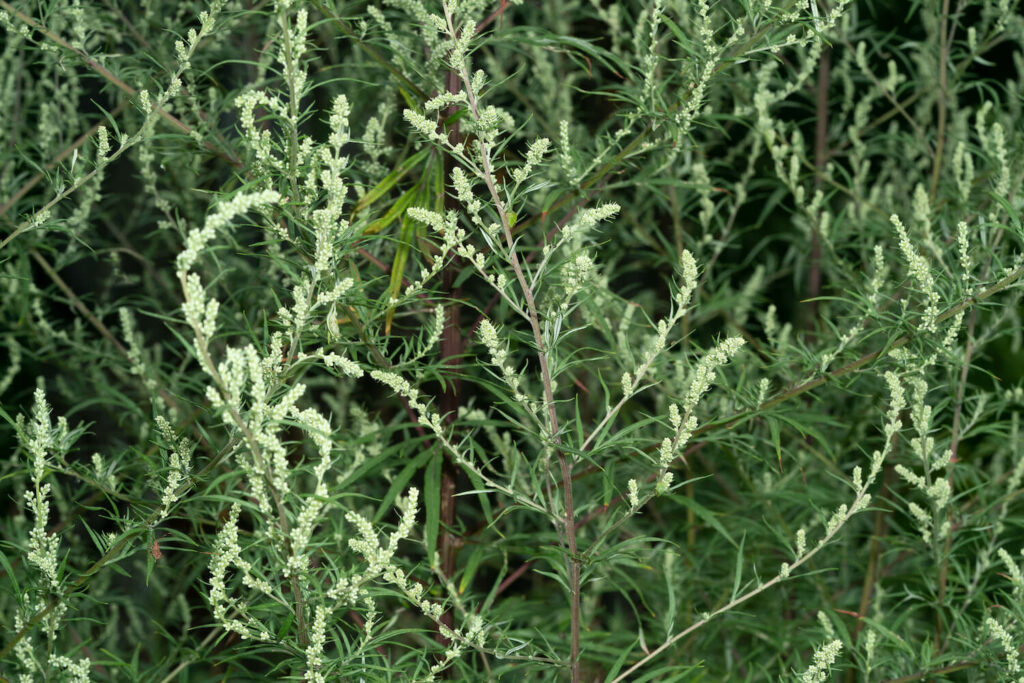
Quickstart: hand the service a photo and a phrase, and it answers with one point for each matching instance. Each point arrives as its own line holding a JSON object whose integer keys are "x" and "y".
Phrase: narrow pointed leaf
{"x": 393, "y": 213}
{"x": 385, "y": 185}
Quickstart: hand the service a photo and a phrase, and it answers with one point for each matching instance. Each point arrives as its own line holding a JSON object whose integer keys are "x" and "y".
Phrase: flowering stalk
{"x": 836, "y": 522}
{"x": 569, "y": 521}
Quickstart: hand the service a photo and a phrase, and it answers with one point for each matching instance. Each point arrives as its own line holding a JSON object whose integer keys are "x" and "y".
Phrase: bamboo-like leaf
{"x": 396, "y": 210}
{"x": 471, "y": 566}
{"x": 419, "y": 196}
{"x": 738, "y": 572}
{"x": 398, "y": 267}
{"x": 386, "y": 183}
{"x": 410, "y": 102}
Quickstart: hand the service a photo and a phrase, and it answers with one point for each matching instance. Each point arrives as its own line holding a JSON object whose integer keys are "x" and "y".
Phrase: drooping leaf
{"x": 388, "y": 181}
{"x": 396, "y": 210}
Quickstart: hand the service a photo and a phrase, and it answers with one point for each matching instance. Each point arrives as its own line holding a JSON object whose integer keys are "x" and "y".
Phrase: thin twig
{"x": 64, "y": 154}
{"x": 114, "y": 80}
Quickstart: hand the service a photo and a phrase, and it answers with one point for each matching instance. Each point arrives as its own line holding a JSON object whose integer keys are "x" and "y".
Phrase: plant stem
{"x": 452, "y": 345}
{"x": 820, "y": 159}
{"x": 940, "y": 104}
{"x": 778, "y": 579}
{"x": 569, "y": 519}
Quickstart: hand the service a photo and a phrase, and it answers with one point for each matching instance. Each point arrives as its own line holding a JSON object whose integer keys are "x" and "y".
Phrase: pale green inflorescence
{"x": 824, "y": 657}
{"x": 432, "y": 338}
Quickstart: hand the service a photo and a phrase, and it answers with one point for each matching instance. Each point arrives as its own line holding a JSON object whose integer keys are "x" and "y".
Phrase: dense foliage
{"x": 474, "y": 339}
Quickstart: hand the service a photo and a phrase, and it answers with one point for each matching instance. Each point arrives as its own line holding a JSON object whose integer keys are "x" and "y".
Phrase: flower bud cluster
{"x": 1008, "y": 643}
{"x": 290, "y": 51}
{"x": 317, "y": 640}
{"x": 179, "y": 464}
{"x": 963, "y": 171}
{"x": 824, "y": 657}
{"x": 499, "y": 354}
{"x": 1013, "y": 570}
{"x": 227, "y": 555}
{"x": 42, "y": 440}
{"x": 77, "y": 669}
{"x": 932, "y": 482}
{"x": 534, "y": 155}
{"x": 198, "y": 238}
{"x": 705, "y": 375}
{"x": 379, "y": 557}
{"x": 920, "y": 271}
{"x": 380, "y": 564}
{"x": 565, "y": 157}
{"x": 577, "y": 274}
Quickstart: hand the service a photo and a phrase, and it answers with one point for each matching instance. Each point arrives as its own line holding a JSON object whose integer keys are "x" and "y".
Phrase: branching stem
{"x": 569, "y": 523}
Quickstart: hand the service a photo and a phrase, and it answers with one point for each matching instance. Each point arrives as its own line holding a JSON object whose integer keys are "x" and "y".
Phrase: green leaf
{"x": 888, "y": 635}
{"x": 398, "y": 268}
{"x": 435, "y": 173}
{"x": 738, "y": 573}
{"x": 385, "y": 185}
{"x": 471, "y": 566}
{"x": 9, "y": 571}
{"x": 1010, "y": 211}
{"x": 150, "y": 559}
{"x": 608, "y": 482}
{"x": 398, "y": 484}
{"x": 394, "y": 211}
{"x": 706, "y": 516}
{"x": 286, "y": 625}
{"x": 620, "y": 662}
{"x": 115, "y": 137}
{"x": 3, "y": 413}
{"x": 432, "y": 501}
{"x": 685, "y": 43}
{"x": 773, "y": 427}
{"x": 480, "y": 489}
{"x": 410, "y": 102}
{"x": 574, "y": 46}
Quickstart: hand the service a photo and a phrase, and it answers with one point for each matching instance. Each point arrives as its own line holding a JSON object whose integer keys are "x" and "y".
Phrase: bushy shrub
{"x": 511, "y": 340}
